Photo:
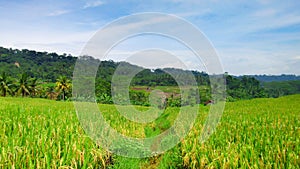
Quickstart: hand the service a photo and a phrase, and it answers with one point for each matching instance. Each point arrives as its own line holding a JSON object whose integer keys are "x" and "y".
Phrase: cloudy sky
{"x": 250, "y": 37}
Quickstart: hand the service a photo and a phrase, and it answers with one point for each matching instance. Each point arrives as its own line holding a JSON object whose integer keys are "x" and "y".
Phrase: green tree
{"x": 33, "y": 86}
{"x": 63, "y": 84}
{"x": 5, "y": 84}
{"x": 23, "y": 87}
{"x": 51, "y": 93}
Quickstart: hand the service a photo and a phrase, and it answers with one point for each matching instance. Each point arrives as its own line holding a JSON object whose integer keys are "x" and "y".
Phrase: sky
{"x": 250, "y": 37}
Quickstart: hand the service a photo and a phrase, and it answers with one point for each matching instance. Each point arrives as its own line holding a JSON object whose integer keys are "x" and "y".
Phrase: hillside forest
{"x": 28, "y": 73}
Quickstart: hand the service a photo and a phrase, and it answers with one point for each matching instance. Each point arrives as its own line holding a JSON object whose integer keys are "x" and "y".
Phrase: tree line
{"x": 27, "y": 86}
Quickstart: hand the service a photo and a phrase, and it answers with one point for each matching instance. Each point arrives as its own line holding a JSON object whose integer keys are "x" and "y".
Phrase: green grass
{"x": 258, "y": 133}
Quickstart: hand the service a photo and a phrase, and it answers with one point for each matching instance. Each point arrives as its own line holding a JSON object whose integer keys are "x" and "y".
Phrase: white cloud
{"x": 297, "y": 57}
{"x": 254, "y": 61}
{"x": 93, "y": 4}
{"x": 254, "y": 41}
{"x": 158, "y": 58}
{"x": 44, "y": 40}
{"x": 58, "y": 12}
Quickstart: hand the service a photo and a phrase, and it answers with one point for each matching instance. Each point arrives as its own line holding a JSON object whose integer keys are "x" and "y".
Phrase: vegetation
{"x": 276, "y": 78}
{"x": 41, "y": 68}
{"x": 244, "y": 88}
{"x": 277, "y": 89}
{"x": 257, "y": 133}
{"x": 26, "y": 86}
{"x": 41, "y": 65}
{"x": 23, "y": 85}
{"x": 5, "y": 83}
{"x": 64, "y": 85}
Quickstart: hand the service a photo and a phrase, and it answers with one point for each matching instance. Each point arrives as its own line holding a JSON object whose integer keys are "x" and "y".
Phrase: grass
{"x": 258, "y": 133}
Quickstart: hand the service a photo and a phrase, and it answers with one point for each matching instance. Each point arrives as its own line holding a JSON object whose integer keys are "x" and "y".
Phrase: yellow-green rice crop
{"x": 259, "y": 133}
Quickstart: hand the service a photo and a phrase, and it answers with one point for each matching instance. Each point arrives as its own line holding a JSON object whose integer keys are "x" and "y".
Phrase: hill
{"x": 281, "y": 88}
{"x": 47, "y": 67}
{"x": 276, "y": 78}
{"x": 43, "y": 65}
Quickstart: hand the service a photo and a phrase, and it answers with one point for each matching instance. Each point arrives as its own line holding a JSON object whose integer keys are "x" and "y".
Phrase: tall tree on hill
{"x": 63, "y": 85}
{"x": 23, "y": 87}
{"x": 5, "y": 84}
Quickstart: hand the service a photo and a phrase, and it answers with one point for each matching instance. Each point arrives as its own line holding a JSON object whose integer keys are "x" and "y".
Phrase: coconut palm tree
{"x": 5, "y": 84}
{"x": 33, "y": 86}
{"x": 51, "y": 93}
{"x": 23, "y": 85}
{"x": 63, "y": 84}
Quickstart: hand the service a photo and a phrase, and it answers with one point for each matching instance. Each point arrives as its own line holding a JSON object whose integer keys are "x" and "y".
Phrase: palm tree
{"x": 51, "y": 93}
{"x": 5, "y": 84}
{"x": 33, "y": 86}
{"x": 63, "y": 85}
{"x": 23, "y": 85}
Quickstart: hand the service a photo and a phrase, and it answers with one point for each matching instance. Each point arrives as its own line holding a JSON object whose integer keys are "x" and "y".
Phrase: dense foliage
{"x": 41, "y": 65}
{"x": 277, "y": 89}
{"x": 276, "y": 78}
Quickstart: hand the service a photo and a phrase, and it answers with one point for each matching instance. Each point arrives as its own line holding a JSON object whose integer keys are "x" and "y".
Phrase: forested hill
{"x": 49, "y": 66}
{"x": 276, "y": 78}
{"x": 42, "y": 65}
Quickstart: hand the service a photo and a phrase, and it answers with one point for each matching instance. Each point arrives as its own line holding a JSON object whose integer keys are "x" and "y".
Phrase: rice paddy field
{"x": 258, "y": 133}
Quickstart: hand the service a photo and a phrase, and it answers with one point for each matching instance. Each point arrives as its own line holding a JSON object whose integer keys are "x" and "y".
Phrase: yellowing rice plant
{"x": 258, "y": 133}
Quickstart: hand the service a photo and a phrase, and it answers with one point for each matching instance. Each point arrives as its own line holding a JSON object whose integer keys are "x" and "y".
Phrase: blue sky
{"x": 251, "y": 37}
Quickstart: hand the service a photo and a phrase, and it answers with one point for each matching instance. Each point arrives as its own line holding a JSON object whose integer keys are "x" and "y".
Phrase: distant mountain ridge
{"x": 276, "y": 78}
